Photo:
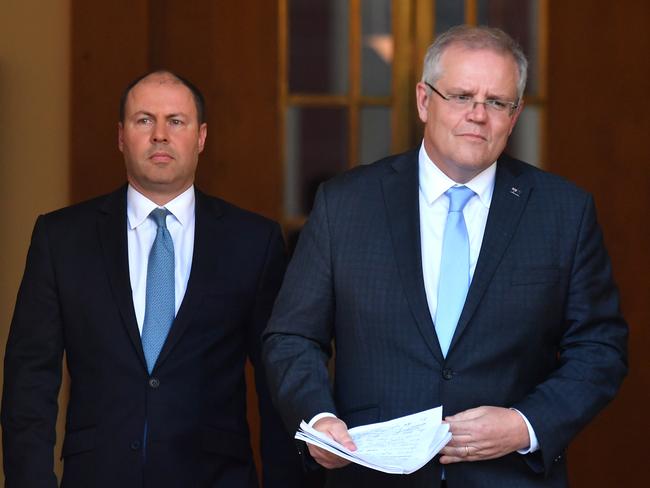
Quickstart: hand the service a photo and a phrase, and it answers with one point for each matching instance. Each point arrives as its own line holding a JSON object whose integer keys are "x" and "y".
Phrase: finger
{"x": 450, "y": 459}
{"x": 462, "y": 427}
{"x": 341, "y": 435}
{"x": 326, "y": 459}
{"x": 477, "y": 450}
{"x": 458, "y": 454}
{"x": 448, "y": 451}
{"x": 460, "y": 440}
{"x": 337, "y": 430}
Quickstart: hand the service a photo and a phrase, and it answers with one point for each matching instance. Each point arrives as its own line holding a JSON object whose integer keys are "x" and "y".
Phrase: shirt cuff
{"x": 322, "y": 415}
{"x": 534, "y": 444}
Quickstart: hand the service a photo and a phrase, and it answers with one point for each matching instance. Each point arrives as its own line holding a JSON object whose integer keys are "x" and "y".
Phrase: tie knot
{"x": 458, "y": 197}
{"x": 159, "y": 216}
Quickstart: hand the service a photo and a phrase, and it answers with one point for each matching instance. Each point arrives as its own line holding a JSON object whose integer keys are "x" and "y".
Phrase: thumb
{"x": 337, "y": 430}
{"x": 341, "y": 435}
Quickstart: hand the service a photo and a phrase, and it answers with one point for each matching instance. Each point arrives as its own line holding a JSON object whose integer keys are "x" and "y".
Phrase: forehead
{"x": 160, "y": 93}
{"x": 486, "y": 68}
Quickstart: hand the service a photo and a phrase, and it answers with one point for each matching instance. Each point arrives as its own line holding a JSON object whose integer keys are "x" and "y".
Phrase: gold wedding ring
{"x": 466, "y": 451}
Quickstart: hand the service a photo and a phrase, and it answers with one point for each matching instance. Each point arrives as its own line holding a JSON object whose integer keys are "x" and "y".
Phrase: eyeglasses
{"x": 464, "y": 101}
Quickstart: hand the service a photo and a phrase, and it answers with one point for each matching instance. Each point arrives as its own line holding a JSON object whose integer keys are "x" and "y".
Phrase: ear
{"x": 120, "y": 136}
{"x": 422, "y": 99}
{"x": 515, "y": 116}
{"x": 203, "y": 133}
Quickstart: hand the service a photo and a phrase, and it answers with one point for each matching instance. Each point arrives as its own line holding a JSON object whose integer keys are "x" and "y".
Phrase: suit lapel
{"x": 401, "y": 196}
{"x": 112, "y": 227}
{"x": 205, "y": 258}
{"x": 509, "y": 199}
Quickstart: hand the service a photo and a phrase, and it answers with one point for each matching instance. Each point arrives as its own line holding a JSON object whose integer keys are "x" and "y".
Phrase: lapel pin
{"x": 515, "y": 191}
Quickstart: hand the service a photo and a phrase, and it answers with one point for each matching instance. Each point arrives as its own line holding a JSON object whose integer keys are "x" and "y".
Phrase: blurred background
{"x": 299, "y": 90}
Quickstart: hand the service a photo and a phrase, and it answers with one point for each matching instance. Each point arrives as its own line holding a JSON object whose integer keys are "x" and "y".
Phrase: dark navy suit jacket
{"x": 76, "y": 297}
{"x": 540, "y": 330}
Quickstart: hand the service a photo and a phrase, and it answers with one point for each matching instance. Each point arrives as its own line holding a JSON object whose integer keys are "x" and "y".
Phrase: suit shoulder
{"x": 235, "y": 214}
{"x": 368, "y": 174}
{"x": 542, "y": 179}
{"x": 83, "y": 210}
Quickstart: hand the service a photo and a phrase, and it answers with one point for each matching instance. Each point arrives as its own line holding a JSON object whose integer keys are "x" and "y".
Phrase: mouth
{"x": 160, "y": 157}
{"x": 472, "y": 138}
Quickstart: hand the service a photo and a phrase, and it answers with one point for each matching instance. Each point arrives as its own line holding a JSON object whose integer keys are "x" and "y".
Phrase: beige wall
{"x": 34, "y": 135}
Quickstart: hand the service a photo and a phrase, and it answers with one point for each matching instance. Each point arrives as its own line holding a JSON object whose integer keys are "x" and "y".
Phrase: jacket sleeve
{"x": 32, "y": 372}
{"x": 281, "y": 465}
{"x": 592, "y": 350}
{"x": 297, "y": 341}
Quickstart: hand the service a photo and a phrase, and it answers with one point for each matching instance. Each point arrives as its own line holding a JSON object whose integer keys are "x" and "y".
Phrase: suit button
{"x": 135, "y": 445}
{"x": 154, "y": 383}
{"x": 447, "y": 373}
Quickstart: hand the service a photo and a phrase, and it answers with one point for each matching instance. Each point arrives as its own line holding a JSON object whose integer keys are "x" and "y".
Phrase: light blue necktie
{"x": 454, "y": 267}
{"x": 160, "y": 305}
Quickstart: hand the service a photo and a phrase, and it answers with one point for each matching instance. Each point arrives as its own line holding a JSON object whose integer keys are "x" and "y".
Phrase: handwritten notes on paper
{"x": 400, "y": 446}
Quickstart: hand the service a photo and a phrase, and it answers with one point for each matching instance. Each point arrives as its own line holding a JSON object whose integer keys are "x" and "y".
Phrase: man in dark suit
{"x": 499, "y": 306}
{"x": 157, "y": 294}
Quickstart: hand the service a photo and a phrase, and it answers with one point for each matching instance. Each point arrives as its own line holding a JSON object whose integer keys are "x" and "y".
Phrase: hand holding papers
{"x": 399, "y": 446}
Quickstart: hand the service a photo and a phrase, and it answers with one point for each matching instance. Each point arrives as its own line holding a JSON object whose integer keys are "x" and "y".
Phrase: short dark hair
{"x": 199, "y": 100}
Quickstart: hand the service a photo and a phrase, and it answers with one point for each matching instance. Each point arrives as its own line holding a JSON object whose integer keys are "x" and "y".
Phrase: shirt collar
{"x": 138, "y": 207}
{"x": 434, "y": 183}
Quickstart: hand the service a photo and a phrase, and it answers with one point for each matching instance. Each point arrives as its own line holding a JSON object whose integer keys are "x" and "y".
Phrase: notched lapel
{"x": 401, "y": 196}
{"x": 511, "y": 193}
{"x": 112, "y": 228}
{"x": 205, "y": 257}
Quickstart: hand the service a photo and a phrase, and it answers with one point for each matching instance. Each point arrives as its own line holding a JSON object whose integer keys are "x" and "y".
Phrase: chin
{"x": 473, "y": 164}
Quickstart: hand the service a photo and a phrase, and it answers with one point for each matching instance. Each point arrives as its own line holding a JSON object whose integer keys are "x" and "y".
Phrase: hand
{"x": 337, "y": 430}
{"x": 484, "y": 433}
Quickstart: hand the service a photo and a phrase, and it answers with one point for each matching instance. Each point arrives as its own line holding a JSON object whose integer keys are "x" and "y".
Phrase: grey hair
{"x": 472, "y": 37}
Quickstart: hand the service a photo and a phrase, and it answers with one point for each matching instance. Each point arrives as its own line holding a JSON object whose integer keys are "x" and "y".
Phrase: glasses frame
{"x": 473, "y": 102}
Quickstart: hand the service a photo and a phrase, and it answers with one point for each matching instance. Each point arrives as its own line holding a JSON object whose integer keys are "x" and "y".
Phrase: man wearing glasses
{"x": 452, "y": 275}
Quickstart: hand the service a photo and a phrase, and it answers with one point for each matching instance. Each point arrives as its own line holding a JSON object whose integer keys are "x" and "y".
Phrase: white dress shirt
{"x": 141, "y": 232}
{"x": 434, "y": 207}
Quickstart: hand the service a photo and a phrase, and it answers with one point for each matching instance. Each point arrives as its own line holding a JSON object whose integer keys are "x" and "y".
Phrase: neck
{"x": 159, "y": 197}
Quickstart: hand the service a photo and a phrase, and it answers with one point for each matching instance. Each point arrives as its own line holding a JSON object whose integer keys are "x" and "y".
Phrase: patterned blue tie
{"x": 160, "y": 305}
{"x": 454, "y": 267}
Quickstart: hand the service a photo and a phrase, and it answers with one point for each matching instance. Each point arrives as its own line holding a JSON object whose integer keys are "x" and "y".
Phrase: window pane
{"x": 316, "y": 149}
{"x": 525, "y": 141}
{"x": 377, "y": 47}
{"x": 318, "y": 46}
{"x": 375, "y": 134}
{"x": 448, "y": 13}
{"x": 520, "y": 19}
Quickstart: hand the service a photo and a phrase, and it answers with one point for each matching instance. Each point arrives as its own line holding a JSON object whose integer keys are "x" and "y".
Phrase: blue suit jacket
{"x": 76, "y": 297}
{"x": 540, "y": 330}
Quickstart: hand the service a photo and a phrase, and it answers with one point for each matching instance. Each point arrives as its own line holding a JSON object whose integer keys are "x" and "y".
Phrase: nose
{"x": 478, "y": 112}
{"x": 159, "y": 134}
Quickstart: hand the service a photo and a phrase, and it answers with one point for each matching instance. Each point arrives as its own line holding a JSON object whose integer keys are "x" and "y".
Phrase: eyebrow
{"x": 488, "y": 96}
{"x": 168, "y": 116}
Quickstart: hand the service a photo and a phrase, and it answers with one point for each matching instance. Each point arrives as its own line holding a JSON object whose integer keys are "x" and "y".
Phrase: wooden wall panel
{"x": 599, "y": 125}
{"x": 229, "y": 50}
{"x": 246, "y": 132}
{"x": 109, "y": 47}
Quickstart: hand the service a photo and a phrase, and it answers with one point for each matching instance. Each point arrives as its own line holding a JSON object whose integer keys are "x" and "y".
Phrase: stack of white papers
{"x": 398, "y": 446}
